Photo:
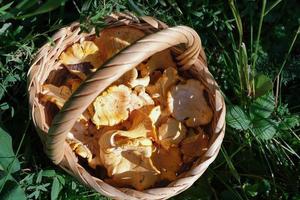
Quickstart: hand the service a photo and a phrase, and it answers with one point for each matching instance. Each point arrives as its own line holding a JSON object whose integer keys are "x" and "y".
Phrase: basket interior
{"x": 58, "y": 77}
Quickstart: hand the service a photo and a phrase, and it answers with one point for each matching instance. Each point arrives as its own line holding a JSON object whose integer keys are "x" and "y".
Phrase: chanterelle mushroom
{"x": 56, "y": 95}
{"x": 148, "y": 115}
{"x": 139, "y": 98}
{"x": 73, "y": 84}
{"x": 131, "y": 79}
{"x": 112, "y": 40}
{"x": 85, "y": 51}
{"x": 111, "y": 107}
{"x": 168, "y": 162}
{"x": 163, "y": 84}
{"x": 194, "y": 145}
{"x": 81, "y": 70}
{"x": 139, "y": 178}
{"x": 122, "y": 152}
{"x": 79, "y": 148}
{"x": 128, "y": 77}
{"x": 171, "y": 133}
{"x": 187, "y": 103}
{"x": 160, "y": 60}
{"x": 140, "y": 82}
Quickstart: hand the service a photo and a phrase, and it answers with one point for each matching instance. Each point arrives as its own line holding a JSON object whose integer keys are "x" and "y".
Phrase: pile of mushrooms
{"x": 146, "y": 127}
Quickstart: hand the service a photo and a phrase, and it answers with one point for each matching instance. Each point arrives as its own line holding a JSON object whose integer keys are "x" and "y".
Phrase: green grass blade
{"x": 278, "y": 77}
{"x": 46, "y": 7}
{"x": 230, "y": 164}
{"x": 272, "y": 7}
{"x": 264, "y": 2}
{"x": 238, "y": 20}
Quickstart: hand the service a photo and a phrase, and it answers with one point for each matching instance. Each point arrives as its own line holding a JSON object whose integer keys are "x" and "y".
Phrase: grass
{"x": 254, "y": 42}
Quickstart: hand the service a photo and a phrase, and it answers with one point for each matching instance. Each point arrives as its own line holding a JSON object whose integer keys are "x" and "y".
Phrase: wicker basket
{"x": 183, "y": 41}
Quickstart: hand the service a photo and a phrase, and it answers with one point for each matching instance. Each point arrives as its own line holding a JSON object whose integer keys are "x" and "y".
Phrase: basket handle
{"x": 112, "y": 70}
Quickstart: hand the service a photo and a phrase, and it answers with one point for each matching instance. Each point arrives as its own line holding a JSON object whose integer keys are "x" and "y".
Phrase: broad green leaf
{"x": 49, "y": 173}
{"x": 263, "y": 106}
{"x": 289, "y": 122}
{"x": 7, "y": 156}
{"x": 5, "y": 177}
{"x": 56, "y": 188}
{"x": 12, "y": 191}
{"x": 264, "y": 129}
{"x": 263, "y": 84}
{"x": 61, "y": 179}
{"x": 236, "y": 118}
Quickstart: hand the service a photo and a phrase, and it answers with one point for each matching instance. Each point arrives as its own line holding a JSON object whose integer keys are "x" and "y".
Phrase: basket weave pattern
{"x": 183, "y": 41}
